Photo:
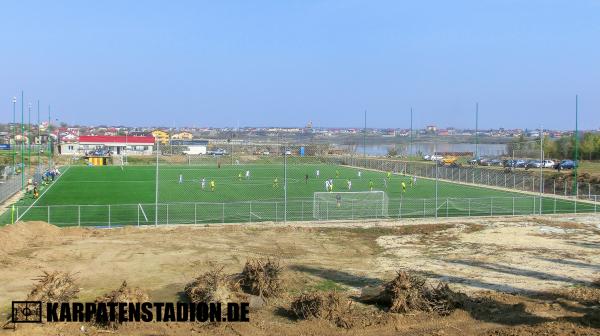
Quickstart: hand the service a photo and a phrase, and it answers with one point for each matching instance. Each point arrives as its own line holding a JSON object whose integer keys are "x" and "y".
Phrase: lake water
{"x": 430, "y": 148}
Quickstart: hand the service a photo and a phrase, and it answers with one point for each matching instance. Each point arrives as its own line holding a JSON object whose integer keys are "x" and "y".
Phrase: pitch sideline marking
{"x": 42, "y": 195}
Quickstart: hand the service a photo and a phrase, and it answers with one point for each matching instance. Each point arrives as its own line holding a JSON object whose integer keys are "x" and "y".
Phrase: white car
{"x": 436, "y": 158}
{"x": 548, "y": 164}
{"x": 427, "y": 157}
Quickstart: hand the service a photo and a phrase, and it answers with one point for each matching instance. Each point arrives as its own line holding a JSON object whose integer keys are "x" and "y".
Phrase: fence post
{"x": 504, "y": 180}
{"x": 79, "y": 216}
{"x": 48, "y": 214}
{"x": 514, "y": 181}
{"x": 469, "y": 207}
{"x": 491, "y": 206}
{"x": 109, "y": 216}
{"x": 565, "y": 187}
{"x": 554, "y": 187}
{"x": 513, "y": 205}
{"x": 18, "y": 214}
{"x": 446, "y": 207}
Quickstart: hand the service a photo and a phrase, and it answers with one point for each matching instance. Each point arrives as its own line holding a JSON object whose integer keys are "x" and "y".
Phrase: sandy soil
{"x": 530, "y": 274}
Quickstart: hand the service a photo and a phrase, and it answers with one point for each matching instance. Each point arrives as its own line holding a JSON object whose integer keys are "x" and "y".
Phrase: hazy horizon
{"x": 282, "y": 64}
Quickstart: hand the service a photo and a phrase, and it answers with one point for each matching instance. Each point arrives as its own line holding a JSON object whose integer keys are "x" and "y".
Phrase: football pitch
{"x": 115, "y": 195}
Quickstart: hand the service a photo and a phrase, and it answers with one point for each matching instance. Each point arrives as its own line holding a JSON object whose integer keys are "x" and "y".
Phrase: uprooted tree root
{"x": 329, "y": 306}
{"x": 54, "y": 287}
{"x": 123, "y": 294}
{"x": 49, "y": 287}
{"x": 214, "y": 286}
{"x": 262, "y": 277}
{"x": 409, "y": 292}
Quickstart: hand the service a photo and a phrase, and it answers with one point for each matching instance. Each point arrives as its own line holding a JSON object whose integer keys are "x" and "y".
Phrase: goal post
{"x": 350, "y": 205}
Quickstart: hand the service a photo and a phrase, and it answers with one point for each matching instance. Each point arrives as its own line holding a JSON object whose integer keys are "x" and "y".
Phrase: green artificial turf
{"x": 82, "y": 195}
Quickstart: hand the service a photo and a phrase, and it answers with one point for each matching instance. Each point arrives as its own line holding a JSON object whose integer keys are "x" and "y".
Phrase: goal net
{"x": 350, "y": 205}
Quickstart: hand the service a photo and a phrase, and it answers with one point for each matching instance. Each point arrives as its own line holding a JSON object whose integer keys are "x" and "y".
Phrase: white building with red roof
{"x": 114, "y": 144}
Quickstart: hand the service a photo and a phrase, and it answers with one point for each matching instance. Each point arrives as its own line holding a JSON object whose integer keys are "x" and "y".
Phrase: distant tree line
{"x": 561, "y": 148}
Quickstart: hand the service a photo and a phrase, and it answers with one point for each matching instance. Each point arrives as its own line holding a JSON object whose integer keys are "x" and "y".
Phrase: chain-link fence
{"x": 289, "y": 185}
{"x": 507, "y": 178}
{"x": 297, "y": 210}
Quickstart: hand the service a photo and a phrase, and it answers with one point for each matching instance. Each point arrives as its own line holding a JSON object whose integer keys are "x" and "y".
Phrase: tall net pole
{"x": 22, "y": 141}
{"x": 436, "y": 180}
{"x": 29, "y": 137}
{"x": 156, "y": 186}
{"x": 285, "y": 183}
{"x": 14, "y": 131}
{"x": 49, "y": 140}
{"x": 365, "y": 137}
{"x": 575, "y": 163}
{"x": 477, "y": 130}
{"x": 541, "y": 166}
{"x": 38, "y": 132}
{"x": 410, "y": 149}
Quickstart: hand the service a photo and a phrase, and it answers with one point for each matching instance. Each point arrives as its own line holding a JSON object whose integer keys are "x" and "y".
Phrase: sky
{"x": 284, "y": 63}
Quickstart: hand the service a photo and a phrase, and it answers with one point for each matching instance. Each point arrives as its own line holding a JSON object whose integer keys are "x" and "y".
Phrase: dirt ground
{"x": 524, "y": 275}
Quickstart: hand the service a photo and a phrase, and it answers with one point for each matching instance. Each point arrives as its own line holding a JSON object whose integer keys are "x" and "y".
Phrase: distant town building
{"x": 162, "y": 136}
{"x": 132, "y": 145}
{"x": 431, "y": 128}
{"x": 182, "y": 136}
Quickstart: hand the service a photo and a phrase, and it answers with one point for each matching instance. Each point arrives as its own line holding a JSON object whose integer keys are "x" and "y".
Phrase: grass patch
{"x": 328, "y": 285}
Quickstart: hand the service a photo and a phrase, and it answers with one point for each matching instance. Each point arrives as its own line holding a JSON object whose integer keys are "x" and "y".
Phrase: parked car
{"x": 548, "y": 164}
{"x": 473, "y": 162}
{"x": 533, "y": 164}
{"x": 427, "y": 157}
{"x": 566, "y": 164}
{"x": 520, "y": 164}
{"x": 484, "y": 162}
{"x": 495, "y": 162}
{"x": 509, "y": 163}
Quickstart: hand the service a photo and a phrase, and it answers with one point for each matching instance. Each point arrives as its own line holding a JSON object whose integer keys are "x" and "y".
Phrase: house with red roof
{"x": 114, "y": 144}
